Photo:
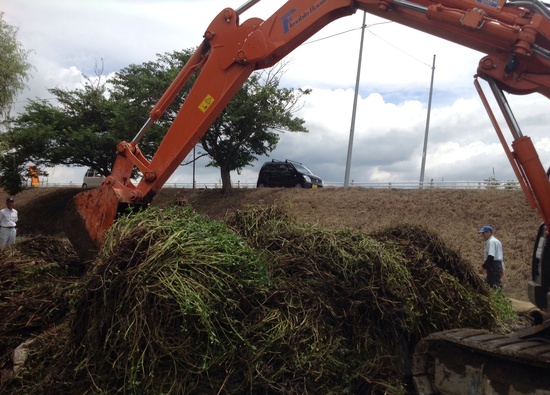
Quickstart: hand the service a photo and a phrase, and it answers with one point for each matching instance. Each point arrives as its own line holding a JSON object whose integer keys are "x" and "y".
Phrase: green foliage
{"x": 84, "y": 125}
{"x": 14, "y": 73}
{"x": 11, "y": 170}
{"x": 15, "y": 68}
{"x": 502, "y": 307}
{"x": 248, "y": 126}
{"x": 136, "y": 90}
{"x": 173, "y": 267}
{"x": 78, "y": 130}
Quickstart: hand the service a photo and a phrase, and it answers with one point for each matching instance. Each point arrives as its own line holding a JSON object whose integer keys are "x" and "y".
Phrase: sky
{"x": 68, "y": 38}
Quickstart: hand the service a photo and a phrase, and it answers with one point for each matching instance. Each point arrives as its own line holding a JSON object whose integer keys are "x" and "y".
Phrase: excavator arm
{"x": 515, "y": 36}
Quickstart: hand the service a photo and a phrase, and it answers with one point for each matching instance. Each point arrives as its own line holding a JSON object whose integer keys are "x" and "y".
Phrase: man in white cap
{"x": 493, "y": 258}
{"x": 8, "y": 222}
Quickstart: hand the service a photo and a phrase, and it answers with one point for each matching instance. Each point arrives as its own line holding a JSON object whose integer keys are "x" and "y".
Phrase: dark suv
{"x": 288, "y": 174}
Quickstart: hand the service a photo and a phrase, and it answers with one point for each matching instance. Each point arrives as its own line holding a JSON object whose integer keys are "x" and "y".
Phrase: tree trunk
{"x": 226, "y": 179}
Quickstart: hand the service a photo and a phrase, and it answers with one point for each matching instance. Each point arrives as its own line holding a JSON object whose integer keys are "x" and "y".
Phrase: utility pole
{"x": 357, "y": 80}
{"x": 194, "y": 161}
{"x": 427, "y": 129}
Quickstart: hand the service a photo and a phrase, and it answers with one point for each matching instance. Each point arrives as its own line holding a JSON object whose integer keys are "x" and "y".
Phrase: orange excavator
{"x": 515, "y": 38}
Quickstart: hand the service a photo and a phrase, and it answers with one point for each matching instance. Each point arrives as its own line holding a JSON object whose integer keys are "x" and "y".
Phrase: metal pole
{"x": 427, "y": 128}
{"x": 194, "y": 161}
{"x": 246, "y": 6}
{"x": 357, "y": 80}
{"x": 143, "y": 129}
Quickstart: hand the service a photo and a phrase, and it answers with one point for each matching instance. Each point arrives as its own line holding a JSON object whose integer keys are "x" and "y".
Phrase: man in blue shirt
{"x": 493, "y": 258}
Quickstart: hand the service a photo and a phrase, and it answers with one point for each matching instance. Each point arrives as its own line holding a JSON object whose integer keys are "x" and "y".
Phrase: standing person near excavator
{"x": 493, "y": 258}
{"x": 8, "y": 222}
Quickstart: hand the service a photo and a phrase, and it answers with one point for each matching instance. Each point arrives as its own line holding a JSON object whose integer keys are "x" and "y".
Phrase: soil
{"x": 455, "y": 215}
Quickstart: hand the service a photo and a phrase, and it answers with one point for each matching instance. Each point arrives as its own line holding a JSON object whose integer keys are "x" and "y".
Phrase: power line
{"x": 331, "y": 36}
{"x": 399, "y": 49}
{"x": 375, "y": 35}
{"x": 317, "y": 40}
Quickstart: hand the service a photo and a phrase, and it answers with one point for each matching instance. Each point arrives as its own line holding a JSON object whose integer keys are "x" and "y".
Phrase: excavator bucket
{"x": 87, "y": 218}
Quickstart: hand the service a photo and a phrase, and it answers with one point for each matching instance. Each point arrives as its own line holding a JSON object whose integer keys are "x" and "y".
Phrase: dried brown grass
{"x": 455, "y": 215}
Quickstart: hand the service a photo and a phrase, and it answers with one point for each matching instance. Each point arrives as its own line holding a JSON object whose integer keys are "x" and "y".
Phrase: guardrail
{"x": 512, "y": 184}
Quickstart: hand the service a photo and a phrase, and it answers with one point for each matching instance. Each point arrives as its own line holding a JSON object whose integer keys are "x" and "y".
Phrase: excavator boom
{"x": 515, "y": 36}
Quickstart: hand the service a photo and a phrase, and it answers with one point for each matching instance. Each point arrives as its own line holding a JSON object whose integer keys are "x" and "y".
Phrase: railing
{"x": 492, "y": 184}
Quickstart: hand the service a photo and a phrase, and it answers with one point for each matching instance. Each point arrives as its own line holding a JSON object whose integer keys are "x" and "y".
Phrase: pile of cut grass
{"x": 38, "y": 280}
{"x": 361, "y": 302}
{"x": 179, "y": 304}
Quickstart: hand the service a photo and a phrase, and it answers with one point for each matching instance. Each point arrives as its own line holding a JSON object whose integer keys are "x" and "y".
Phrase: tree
{"x": 247, "y": 127}
{"x": 11, "y": 177}
{"x": 85, "y": 125}
{"x": 15, "y": 68}
{"x": 244, "y": 130}
{"x": 14, "y": 74}
{"x": 77, "y": 130}
{"x": 136, "y": 90}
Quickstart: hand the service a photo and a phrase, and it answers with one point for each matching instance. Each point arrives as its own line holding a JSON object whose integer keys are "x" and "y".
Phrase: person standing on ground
{"x": 493, "y": 258}
{"x": 8, "y": 222}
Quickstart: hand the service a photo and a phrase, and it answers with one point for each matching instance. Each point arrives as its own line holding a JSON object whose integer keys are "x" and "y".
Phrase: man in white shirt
{"x": 493, "y": 258}
{"x": 8, "y": 222}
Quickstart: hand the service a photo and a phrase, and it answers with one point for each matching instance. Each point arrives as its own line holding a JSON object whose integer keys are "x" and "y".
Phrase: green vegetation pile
{"x": 179, "y": 304}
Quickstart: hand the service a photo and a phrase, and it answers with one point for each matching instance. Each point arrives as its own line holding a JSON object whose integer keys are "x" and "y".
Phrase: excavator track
{"x": 470, "y": 361}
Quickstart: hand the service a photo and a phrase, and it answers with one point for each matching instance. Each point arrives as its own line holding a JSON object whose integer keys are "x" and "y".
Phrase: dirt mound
{"x": 454, "y": 215}
{"x": 41, "y": 210}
